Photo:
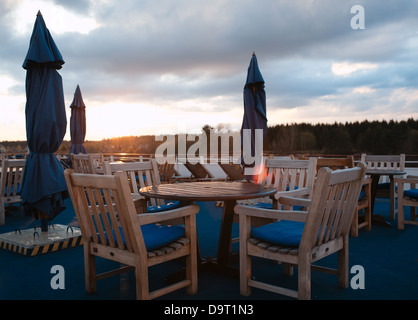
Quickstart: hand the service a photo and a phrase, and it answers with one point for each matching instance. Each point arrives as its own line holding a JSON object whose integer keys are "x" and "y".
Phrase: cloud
{"x": 345, "y": 68}
{"x": 193, "y": 55}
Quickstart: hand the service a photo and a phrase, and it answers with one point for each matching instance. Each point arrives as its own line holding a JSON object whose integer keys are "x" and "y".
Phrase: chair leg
{"x": 89, "y": 270}
{"x": 343, "y": 265}
{"x": 401, "y": 215}
{"x": 2, "y": 211}
{"x": 288, "y": 269}
{"x": 141, "y": 279}
{"x": 392, "y": 200}
{"x": 191, "y": 259}
{"x": 354, "y": 224}
{"x": 368, "y": 217}
{"x": 244, "y": 258}
{"x": 304, "y": 277}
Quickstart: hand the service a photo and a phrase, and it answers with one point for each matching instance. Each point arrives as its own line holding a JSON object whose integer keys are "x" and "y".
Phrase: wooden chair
{"x": 385, "y": 162}
{"x": 233, "y": 171}
{"x": 166, "y": 169}
{"x": 364, "y": 203}
{"x": 117, "y": 233}
{"x": 200, "y": 173}
{"x": 83, "y": 163}
{"x": 140, "y": 175}
{"x": 290, "y": 177}
{"x": 407, "y": 197}
{"x": 10, "y": 184}
{"x": 300, "y": 238}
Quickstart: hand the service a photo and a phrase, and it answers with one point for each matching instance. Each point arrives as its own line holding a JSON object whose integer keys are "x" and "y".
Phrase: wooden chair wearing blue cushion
{"x": 302, "y": 237}
{"x": 139, "y": 241}
{"x": 407, "y": 197}
{"x": 364, "y": 201}
{"x": 140, "y": 175}
{"x": 385, "y": 162}
{"x": 10, "y": 182}
{"x": 291, "y": 177}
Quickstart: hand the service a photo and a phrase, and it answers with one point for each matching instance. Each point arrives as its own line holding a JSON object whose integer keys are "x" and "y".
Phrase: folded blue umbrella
{"x": 255, "y": 116}
{"x": 43, "y": 187}
{"x": 78, "y": 123}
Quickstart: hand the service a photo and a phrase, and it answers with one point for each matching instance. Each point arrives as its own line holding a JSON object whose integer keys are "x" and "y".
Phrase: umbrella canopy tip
{"x": 253, "y": 53}
{"x": 39, "y": 13}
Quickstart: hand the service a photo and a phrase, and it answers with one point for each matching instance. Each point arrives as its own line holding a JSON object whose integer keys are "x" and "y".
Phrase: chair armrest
{"x": 367, "y": 180}
{"x": 147, "y": 218}
{"x": 271, "y": 214}
{"x": 411, "y": 180}
{"x": 295, "y": 201}
{"x": 408, "y": 179}
{"x": 293, "y": 193}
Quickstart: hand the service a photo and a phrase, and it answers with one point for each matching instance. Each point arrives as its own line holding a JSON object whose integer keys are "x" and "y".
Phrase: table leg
{"x": 392, "y": 197}
{"x": 375, "y": 182}
{"x": 376, "y": 219}
{"x": 225, "y": 234}
{"x": 220, "y": 264}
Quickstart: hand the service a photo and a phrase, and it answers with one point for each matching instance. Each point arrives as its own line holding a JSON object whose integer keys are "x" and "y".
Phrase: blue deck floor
{"x": 388, "y": 256}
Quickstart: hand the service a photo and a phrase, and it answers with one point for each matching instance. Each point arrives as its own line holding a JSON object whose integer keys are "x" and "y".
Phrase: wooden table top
{"x": 208, "y": 191}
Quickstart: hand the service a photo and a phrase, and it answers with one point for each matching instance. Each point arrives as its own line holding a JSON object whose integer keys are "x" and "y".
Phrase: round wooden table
{"x": 376, "y": 174}
{"x": 227, "y": 191}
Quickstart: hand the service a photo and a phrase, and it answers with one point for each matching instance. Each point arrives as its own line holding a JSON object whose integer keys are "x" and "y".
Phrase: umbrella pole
{"x": 44, "y": 225}
{"x": 44, "y": 220}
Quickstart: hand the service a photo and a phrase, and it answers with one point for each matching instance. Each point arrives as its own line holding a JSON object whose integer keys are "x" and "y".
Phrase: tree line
{"x": 374, "y": 137}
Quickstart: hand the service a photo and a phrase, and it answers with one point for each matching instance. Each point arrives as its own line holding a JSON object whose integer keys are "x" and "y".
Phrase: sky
{"x": 173, "y": 66}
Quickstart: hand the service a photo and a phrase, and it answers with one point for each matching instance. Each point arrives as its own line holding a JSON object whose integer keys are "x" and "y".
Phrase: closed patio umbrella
{"x": 78, "y": 123}
{"x": 43, "y": 186}
{"x": 255, "y": 116}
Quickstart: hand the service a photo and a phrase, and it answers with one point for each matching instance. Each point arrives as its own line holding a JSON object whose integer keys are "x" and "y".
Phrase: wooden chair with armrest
{"x": 11, "y": 176}
{"x": 83, "y": 163}
{"x": 140, "y": 175}
{"x": 291, "y": 177}
{"x": 301, "y": 238}
{"x": 385, "y": 162}
{"x": 407, "y": 197}
{"x": 117, "y": 233}
{"x": 364, "y": 202}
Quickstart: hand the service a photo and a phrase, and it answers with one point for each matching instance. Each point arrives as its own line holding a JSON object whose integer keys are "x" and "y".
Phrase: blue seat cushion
{"x": 385, "y": 185}
{"x": 266, "y": 205}
{"x": 164, "y": 207}
{"x": 155, "y": 235}
{"x": 284, "y": 233}
{"x": 411, "y": 193}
